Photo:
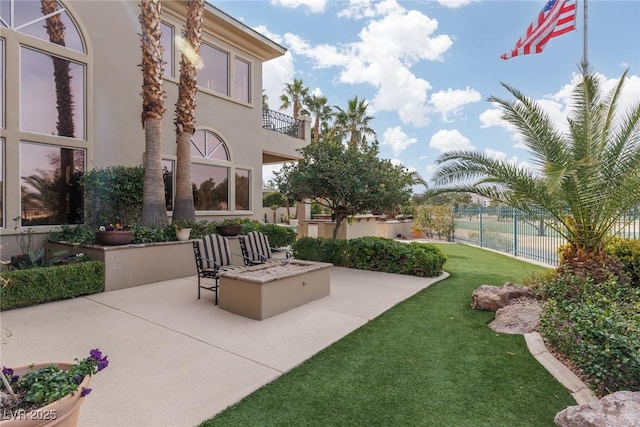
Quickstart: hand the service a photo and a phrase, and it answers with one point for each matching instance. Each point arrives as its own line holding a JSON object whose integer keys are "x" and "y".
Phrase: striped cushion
{"x": 215, "y": 247}
{"x": 258, "y": 244}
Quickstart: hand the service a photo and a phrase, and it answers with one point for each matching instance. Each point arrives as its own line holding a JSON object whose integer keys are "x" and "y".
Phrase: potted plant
{"x": 48, "y": 393}
{"x": 230, "y": 227}
{"x": 182, "y": 228}
{"x": 117, "y": 234}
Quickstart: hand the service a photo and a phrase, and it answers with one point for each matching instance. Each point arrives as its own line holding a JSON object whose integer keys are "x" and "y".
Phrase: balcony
{"x": 278, "y": 122}
{"x": 283, "y": 136}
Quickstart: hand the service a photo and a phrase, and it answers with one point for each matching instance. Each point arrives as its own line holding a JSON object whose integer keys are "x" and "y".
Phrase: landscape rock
{"x": 520, "y": 317}
{"x": 620, "y": 409}
{"x": 488, "y": 297}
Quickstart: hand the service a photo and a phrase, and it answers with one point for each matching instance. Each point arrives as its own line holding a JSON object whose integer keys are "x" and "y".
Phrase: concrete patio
{"x": 176, "y": 360}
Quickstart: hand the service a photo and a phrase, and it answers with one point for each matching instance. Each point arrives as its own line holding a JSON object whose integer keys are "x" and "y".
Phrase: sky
{"x": 427, "y": 67}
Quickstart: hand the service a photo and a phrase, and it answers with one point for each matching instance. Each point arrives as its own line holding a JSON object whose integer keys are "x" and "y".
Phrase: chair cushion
{"x": 215, "y": 247}
{"x": 257, "y": 244}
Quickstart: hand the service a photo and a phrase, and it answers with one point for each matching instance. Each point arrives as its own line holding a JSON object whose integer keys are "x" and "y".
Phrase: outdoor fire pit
{"x": 265, "y": 290}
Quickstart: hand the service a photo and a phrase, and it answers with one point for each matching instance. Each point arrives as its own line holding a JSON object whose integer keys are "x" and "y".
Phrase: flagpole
{"x": 584, "y": 31}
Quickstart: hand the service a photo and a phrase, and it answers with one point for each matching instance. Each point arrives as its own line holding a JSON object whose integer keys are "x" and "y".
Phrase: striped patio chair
{"x": 256, "y": 249}
{"x": 213, "y": 257}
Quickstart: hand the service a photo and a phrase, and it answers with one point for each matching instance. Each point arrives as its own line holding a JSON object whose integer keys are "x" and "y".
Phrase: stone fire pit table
{"x": 265, "y": 290}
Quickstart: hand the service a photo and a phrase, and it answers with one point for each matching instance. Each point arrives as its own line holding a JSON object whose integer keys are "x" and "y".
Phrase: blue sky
{"x": 427, "y": 67}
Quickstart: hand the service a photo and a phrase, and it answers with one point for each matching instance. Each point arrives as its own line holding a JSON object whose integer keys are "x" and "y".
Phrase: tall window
{"x": 50, "y": 183}
{"x": 168, "y": 44}
{"x": 243, "y": 189}
{"x": 51, "y": 95}
{"x": 241, "y": 80}
{"x": 210, "y": 180}
{"x": 51, "y": 107}
{"x": 214, "y": 74}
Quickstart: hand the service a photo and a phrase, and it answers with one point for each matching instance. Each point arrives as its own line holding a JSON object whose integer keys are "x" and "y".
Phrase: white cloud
{"x": 449, "y": 140}
{"x": 397, "y": 139}
{"x": 268, "y": 172}
{"x": 454, "y": 3}
{"x": 558, "y": 105}
{"x": 451, "y": 101}
{"x": 315, "y": 6}
{"x": 503, "y": 157}
{"x": 392, "y": 41}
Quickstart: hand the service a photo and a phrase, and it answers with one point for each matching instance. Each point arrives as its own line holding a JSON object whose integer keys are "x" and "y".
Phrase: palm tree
{"x": 354, "y": 122}
{"x": 154, "y": 213}
{"x": 293, "y": 96}
{"x": 185, "y": 120}
{"x": 589, "y": 175}
{"x": 317, "y": 105}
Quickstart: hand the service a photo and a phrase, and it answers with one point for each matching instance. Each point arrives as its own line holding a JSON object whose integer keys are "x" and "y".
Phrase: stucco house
{"x": 70, "y": 101}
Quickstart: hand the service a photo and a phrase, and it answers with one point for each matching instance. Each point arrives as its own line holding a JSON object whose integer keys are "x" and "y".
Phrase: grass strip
{"x": 431, "y": 360}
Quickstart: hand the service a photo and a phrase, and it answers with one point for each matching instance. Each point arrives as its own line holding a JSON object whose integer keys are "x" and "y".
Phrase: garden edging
{"x": 578, "y": 389}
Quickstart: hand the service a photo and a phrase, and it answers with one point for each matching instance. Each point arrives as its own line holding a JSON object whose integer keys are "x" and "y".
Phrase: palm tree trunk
{"x": 185, "y": 121}
{"x": 154, "y": 208}
{"x": 184, "y": 208}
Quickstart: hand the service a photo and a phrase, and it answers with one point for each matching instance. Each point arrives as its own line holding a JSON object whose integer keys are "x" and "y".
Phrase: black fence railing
{"x": 282, "y": 123}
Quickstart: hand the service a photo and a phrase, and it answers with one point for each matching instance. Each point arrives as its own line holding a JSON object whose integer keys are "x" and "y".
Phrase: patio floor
{"x": 176, "y": 360}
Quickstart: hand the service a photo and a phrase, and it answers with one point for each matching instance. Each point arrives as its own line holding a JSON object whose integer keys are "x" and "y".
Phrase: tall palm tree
{"x": 154, "y": 213}
{"x": 293, "y": 96}
{"x": 589, "y": 175}
{"x": 185, "y": 120}
{"x": 354, "y": 122}
{"x": 317, "y": 106}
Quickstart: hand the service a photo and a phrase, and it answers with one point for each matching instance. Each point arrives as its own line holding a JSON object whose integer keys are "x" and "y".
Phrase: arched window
{"x": 210, "y": 179}
{"x": 43, "y": 47}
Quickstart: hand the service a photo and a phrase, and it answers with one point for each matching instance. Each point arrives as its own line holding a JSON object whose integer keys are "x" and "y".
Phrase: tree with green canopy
{"x": 346, "y": 181}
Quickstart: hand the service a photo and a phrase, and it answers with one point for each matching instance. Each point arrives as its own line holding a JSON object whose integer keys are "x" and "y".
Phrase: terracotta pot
{"x": 61, "y": 413}
{"x": 229, "y": 230}
{"x": 114, "y": 237}
{"x": 183, "y": 233}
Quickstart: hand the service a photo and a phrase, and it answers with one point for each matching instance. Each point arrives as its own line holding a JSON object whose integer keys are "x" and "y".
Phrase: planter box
{"x": 265, "y": 290}
{"x": 134, "y": 265}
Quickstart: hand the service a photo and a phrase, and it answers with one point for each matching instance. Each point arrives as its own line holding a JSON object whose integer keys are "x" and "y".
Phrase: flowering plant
{"x": 116, "y": 227}
{"x": 42, "y": 386}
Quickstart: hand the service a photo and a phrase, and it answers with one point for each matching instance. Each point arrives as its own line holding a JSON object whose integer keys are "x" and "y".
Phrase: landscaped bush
{"x": 628, "y": 252}
{"x": 596, "y": 325}
{"x": 374, "y": 253}
{"x": 44, "y": 284}
{"x": 278, "y": 236}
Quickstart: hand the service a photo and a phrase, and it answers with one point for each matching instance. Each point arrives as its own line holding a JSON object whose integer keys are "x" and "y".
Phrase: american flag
{"x": 558, "y": 17}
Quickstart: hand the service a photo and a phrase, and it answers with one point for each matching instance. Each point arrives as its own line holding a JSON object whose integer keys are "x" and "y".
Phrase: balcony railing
{"x": 282, "y": 123}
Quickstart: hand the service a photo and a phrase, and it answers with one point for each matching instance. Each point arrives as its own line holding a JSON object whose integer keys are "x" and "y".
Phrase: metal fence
{"x": 512, "y": 231}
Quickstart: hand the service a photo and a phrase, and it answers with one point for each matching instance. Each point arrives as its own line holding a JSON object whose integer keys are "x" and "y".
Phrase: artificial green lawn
{"x": 430, "y": 361}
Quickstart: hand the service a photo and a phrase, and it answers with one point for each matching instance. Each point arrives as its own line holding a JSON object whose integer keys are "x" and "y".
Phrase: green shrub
{"x": 81, "y": 234}
{"x": 278, "y": 236}
{"x": 374, "y": 253}
{"x": 628, "y": 252}
{"x": 596, "y": 325}
{"x": 45, "y": 284}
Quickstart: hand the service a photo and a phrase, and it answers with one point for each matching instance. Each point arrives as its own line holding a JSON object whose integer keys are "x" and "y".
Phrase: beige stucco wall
{"x": 114, "y": 133}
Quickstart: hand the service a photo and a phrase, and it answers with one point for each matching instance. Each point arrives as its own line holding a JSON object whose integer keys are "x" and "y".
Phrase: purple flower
{"x": 102, "y": 363}
{"x": 85, "y": 391}
{"x": 77, "y": 379}
{"x": 7, "y": 371}
{"x": 95, "y": 354}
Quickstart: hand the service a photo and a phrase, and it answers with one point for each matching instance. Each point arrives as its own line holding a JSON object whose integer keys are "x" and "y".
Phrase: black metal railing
{"x": 282, "y": 123}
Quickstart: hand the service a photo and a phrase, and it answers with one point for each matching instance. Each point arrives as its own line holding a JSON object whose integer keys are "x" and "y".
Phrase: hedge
{"x": 596, "y": 325}
{"x": 279, "y": 236}
{"x": 375, "y": 254}
{"x": 44, "y": 284}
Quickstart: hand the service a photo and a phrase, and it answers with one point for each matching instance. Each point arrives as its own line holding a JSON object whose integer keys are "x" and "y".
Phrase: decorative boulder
{"x": 521, "y": 317}
{"x": 494, "y": 297}
{"x": 620, "y": 409}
